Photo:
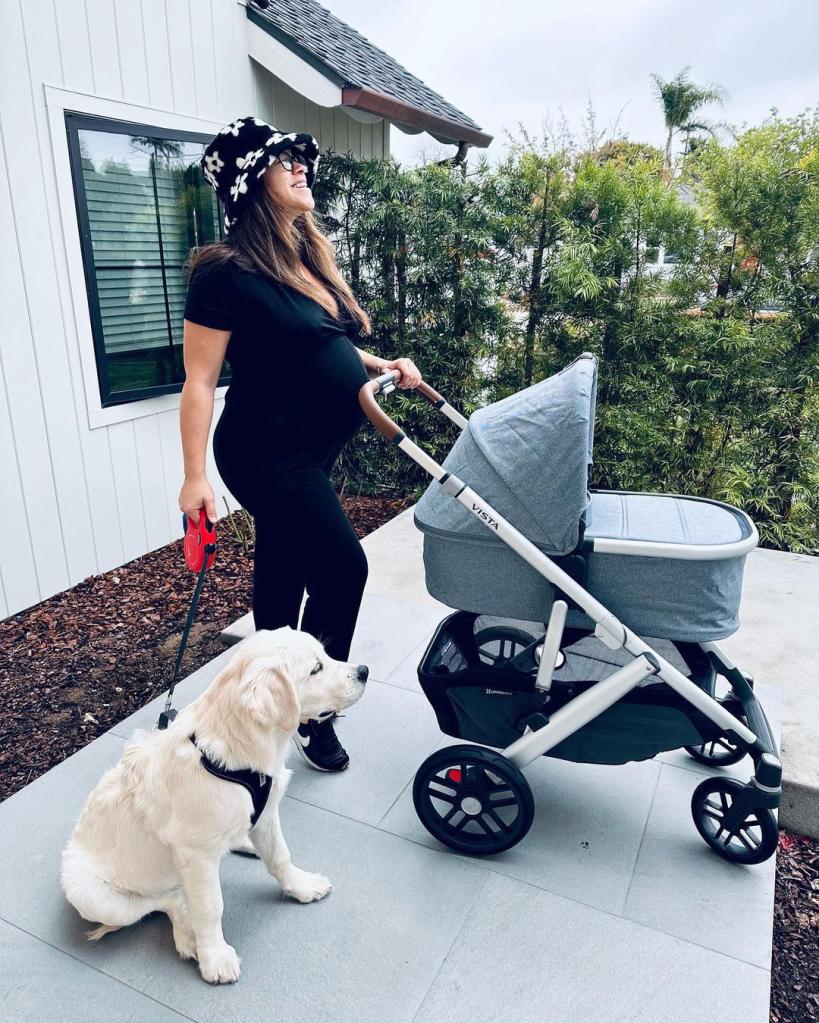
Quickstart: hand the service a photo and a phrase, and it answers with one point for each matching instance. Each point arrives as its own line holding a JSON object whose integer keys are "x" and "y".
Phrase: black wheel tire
{"x": 757, "y": 836}
{"x": 720, "y": 752}
{"x": 497, "y": 644}
{"x": 485, "y": 782}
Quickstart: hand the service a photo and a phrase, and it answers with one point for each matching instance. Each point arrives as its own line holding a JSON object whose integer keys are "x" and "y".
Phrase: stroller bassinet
{"x": 667, "y": 565}
{"x": 511, "y": 530}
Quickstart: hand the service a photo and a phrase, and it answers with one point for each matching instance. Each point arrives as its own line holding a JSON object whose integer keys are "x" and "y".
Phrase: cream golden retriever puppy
{"x": 153, "y": 831}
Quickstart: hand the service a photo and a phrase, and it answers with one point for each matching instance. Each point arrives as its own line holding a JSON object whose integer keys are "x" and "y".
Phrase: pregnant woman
{"x": 270, "y": 299}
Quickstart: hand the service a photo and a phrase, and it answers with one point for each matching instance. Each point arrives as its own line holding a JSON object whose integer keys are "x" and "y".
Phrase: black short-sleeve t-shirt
{"x": 295, "y": 371}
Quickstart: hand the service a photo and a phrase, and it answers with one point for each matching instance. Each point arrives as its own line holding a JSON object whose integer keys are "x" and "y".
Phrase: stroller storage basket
{"x": 492, "y": 703}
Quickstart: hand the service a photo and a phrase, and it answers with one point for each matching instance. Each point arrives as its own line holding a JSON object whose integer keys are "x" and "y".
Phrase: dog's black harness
{"x": 256, "y": 783}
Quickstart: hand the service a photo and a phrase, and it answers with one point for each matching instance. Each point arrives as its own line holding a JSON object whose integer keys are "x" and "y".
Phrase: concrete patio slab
{"x": 36, "y": 978}
{"x": 405, "y": 675}
{"x": 401, "y": 913}
{"x": 547, "y": 958}
{"x": 681, "y": 888}
{"x": 611, "y": 909}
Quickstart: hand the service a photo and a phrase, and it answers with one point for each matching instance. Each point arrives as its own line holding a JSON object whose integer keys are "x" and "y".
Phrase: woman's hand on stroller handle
{"x": 408, "y": 373}
{"x": 384, "y": 384}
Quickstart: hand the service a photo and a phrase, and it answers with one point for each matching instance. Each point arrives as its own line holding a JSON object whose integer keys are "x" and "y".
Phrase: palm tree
{"x": 680, "y": 99}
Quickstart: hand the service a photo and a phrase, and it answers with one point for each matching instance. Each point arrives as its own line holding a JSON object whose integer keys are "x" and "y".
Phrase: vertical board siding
{"x": 74, "y": 36}
{"x": 157, "y": 53}
{"x": 181, "y": 55}
{"x": 78, "y": 501}
{"x": 132, "y": 53}
{"x": 203, "y": 43}
{"x": 30, "y": 371}
{"x": 172, "y": 468}
{"x": 263, "y": 101}
{"x": 128, "y": 488}
{"x": 100, "y": 17}
{"x": 341, "y": 131}
{"x": 326, "y": 127}
{"x": 18, "y": 578}
{"x": 85, "y": 527}
{"x": 158, "y": 526}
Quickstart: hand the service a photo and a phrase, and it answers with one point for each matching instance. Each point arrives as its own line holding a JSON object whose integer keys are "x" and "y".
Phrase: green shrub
{"x": 492, "y": 278}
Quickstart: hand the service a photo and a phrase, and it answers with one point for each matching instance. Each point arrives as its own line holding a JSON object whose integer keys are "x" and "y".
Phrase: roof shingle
{"x": 331, "y": 45}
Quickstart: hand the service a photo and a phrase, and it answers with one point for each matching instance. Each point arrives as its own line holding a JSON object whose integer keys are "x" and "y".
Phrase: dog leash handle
{"x": 200, "y": 553}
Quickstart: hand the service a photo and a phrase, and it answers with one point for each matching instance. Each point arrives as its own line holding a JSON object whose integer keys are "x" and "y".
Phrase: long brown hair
{"x": 267, "y": 241}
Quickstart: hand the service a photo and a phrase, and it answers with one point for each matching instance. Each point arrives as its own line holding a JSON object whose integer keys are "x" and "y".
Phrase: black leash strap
{"x": 169, "y": 714}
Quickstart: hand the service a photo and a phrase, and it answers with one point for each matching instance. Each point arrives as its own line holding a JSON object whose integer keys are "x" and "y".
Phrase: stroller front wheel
{"x": 497, "y": 645}
{"x": 473, "y": 799}
{"x": 740, "y": 834}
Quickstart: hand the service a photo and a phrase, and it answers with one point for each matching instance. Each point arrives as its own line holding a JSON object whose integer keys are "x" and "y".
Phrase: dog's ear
{"x": 271, "y": 698}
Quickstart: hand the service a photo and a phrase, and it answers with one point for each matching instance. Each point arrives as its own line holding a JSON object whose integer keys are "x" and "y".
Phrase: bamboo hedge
{"x": 491, "y": 278}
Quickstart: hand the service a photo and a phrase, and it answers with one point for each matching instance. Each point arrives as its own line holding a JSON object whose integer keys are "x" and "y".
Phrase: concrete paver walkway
{"x": 611, "y": 909}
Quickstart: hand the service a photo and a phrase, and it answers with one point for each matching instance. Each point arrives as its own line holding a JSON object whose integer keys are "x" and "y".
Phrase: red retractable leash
{"x": 200, "y": 552}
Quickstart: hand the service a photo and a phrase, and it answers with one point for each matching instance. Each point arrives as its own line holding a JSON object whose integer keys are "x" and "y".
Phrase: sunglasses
{"x": 287, "y": 158}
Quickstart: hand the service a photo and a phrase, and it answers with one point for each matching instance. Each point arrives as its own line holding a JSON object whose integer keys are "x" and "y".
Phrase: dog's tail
{"x": 100, "y": 932}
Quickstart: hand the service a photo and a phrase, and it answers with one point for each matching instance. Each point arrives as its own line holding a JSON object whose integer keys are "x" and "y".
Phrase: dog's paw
{"x": 304, "y": 886}
{"x": 220, "y": 966}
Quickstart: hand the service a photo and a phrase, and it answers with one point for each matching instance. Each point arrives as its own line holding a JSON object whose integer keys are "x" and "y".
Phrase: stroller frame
{"x": 752, "y": 802}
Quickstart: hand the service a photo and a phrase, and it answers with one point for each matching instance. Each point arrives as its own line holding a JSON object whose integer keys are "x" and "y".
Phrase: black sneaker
{"x": 319, "y": 746}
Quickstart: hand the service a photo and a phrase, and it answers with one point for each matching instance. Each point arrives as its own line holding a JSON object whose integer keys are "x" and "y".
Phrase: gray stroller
{"x": 555, "y": 585}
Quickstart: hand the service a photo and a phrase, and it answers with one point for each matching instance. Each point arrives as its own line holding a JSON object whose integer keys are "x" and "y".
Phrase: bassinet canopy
{"x": 528, "y": 456}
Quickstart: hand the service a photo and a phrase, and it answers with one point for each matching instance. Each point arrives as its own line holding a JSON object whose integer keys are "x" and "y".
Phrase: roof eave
{"x": 443, "y": 129}
{"x": 403, "y": 115}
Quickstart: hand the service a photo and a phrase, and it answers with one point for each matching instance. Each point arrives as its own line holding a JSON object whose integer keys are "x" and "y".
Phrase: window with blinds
{"x": 142, "y": 203}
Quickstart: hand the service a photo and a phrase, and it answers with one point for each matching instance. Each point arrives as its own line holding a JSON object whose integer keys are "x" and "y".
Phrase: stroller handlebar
{"x": 384, "y": 384}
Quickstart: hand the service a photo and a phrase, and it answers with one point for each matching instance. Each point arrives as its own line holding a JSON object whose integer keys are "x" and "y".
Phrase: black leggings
{"x": 303, "y": 539}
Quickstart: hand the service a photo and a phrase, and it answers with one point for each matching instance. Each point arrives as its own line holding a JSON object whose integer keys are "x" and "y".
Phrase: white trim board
{"x": 58, "y": 101}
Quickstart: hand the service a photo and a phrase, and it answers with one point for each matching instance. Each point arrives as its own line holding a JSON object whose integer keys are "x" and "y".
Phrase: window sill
{"x": 100, "y": 417}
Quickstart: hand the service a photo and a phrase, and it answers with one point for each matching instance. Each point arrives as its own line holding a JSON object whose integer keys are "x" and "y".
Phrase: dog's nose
{"x": 362, "y": 671}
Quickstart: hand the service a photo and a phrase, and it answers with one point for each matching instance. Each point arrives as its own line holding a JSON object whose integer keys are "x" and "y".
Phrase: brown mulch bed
{"x": 795, "y": 962}
{"x": 76, "y": 664}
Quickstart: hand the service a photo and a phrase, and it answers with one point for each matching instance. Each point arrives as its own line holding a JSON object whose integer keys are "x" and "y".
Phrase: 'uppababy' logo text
{"x": 488, "y": 518}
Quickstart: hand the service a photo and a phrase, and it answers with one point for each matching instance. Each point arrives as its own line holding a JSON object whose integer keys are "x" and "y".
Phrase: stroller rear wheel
{"x": 720, "y": 752}
{"x": 741, "y": 835}
{"x": 473, "y": 799}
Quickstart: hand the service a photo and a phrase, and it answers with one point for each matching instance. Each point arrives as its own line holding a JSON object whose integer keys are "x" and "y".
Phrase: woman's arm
{"x": 203, "y": 353}
{"x": 371, "y": 361}
{"x": 195, "y": 417}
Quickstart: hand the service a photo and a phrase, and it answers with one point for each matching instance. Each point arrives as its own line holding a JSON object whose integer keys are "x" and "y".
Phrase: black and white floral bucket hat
{"x": 241, "y": 152}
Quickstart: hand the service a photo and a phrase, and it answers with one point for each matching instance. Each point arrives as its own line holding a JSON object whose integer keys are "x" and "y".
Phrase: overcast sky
{"x": 504, "y": 61}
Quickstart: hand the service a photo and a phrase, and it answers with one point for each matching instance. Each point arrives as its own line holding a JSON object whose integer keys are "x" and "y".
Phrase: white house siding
{"x": 78, "y": 498}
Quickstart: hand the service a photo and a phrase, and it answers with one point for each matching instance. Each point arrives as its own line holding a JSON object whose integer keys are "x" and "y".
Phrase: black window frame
{"x": 74, "y": 122}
